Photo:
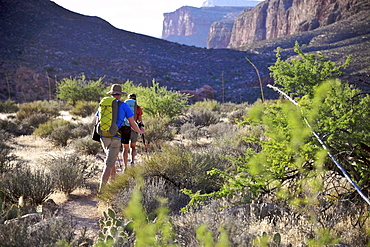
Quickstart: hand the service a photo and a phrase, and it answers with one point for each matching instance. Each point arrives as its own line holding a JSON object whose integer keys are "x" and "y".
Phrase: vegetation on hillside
{"x": 241, "y": 175}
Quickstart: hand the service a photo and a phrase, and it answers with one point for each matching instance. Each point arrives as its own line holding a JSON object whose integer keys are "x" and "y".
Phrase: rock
{"x": 31, "y": 218}
{"x": 205, "y": 92}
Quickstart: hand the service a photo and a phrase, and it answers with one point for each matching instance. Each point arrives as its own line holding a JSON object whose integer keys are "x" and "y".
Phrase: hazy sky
{"x": 139, "y": 16}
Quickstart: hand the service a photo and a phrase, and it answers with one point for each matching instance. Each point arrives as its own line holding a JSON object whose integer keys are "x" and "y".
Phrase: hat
{"x": 116, "y": 89}
{"x": 132, "y": 96}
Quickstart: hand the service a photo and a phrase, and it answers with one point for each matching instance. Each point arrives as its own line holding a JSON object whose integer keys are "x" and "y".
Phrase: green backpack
{"x": 108, "y": 110}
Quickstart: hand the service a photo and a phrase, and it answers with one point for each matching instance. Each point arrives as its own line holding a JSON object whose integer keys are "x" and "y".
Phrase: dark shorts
{"x": 128, "y": 134}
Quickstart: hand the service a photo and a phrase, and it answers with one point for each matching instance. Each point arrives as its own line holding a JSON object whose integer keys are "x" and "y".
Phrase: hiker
{"x": 112, "y": 144}
{"x": 130, "y": 137}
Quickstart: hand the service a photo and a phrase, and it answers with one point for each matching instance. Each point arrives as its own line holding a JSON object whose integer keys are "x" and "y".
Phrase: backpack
{"x": 133, "y": 106}
{"x": 108, "y": 111}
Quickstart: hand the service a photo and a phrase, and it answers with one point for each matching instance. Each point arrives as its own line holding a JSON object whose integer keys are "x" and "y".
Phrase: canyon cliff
{"x": 190, "y": 25}
{"x": 277, "y": 18}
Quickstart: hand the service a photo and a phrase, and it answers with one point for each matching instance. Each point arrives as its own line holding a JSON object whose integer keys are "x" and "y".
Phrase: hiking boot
{"x": 132, "y": 163}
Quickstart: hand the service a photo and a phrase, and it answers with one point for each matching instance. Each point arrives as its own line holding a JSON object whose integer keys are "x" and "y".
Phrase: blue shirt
{"x": 124, "y": 111}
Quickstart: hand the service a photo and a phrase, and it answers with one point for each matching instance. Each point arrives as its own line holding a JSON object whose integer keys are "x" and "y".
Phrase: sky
{"x": 139, "y": 16}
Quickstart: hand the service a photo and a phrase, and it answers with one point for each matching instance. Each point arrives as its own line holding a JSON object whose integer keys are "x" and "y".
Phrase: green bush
{"x": 8, "y": 106}
{"x": 290, "y": 164}
{"x": 157, "y": 101}
{"x": 49, "y": 108}
{"x": 84, "y": 108}
{"x": 73, "y": 90}
{"x": 34, "y": 185}
{"x": 300, "y": 76}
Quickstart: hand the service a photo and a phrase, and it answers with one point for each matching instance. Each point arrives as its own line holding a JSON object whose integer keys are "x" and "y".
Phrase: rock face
{"x": 190, "y": 25}
{"x": 219, "y": 34}
{"x": 277, "y": 18}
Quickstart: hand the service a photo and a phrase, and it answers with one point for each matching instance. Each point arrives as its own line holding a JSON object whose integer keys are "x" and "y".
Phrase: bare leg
{"x": 133, "y": 152}
{"x": 104, "y": 178}
{"x": 126, "y": 149}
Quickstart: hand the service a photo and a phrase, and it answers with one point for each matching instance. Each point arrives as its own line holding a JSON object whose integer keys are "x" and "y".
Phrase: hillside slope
{"x": 41, "y": 39}
{"x": 42, "y": 42}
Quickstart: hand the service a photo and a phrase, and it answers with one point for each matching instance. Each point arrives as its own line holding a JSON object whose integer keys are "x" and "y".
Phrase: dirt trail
{"x": 85, "y": 212}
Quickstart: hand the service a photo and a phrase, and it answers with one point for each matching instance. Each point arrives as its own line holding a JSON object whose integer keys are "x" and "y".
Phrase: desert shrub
{"x": 84, "y": 108}
{"x": 34, "y": 185}
{"x": 50, "y": 108}
{"x": 204, "y": 113}
{"x": 228, "y": 139}
{"x": 9, "y": 126}
{"x": 86, "y": 146}
{"x": 80, "y": 131}
{"x": 57, "y": 130}
{"x": 69, "y": 171}
{"x": 237, "y": 115}
{"x": 44, "y": 130}
{"x": 33, "y": 121}
{"x": 158, "y": 130}
{"x": 8, "y": 106}
{"x": 60, "y": 135}
{"x": 184, "y": 168}
{"x": 46, "y": 233}
{"x": 207, "y": 104}
{"x": 204, "y": 117}
{"x": 190, "y": 131}
{"x": 152, "y": 189}
{"x": 6, "y": 158}
{"x": 73, "y": 90}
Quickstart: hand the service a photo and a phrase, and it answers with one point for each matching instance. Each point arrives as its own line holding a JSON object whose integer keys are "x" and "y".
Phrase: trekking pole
{"x": 141, "y": 125}
{"x": 346, "y": 175}
{"x": 145, "y": 147}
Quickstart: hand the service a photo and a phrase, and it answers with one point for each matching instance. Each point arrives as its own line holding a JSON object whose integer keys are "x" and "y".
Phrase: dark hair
{"x": 132, "y": 96}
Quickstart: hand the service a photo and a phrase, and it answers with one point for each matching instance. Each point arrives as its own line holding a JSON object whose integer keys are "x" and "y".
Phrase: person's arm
{"x": 134, "y": 125}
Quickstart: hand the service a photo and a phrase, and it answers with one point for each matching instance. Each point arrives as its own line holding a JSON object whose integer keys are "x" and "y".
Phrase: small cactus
{"x": 13, "y": 212}
{"x": 112, "y": 228}
{"x": 277, "y": 239}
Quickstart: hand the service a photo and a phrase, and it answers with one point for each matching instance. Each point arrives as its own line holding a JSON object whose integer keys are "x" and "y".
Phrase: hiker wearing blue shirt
{"x": 112, "y": 144}
{"x": 129, "y": 137}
